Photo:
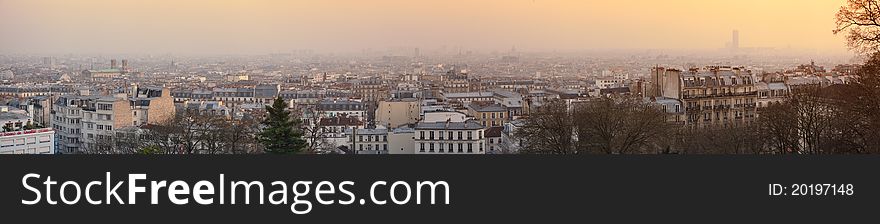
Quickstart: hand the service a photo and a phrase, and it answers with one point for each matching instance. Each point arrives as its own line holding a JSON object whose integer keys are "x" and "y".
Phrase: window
{"x": 470, "y": 147}
{"x": 421, "y": 134}
{"x": 422, "y": 147}
{"x": 432, "y": 147}
{"x": 460, "y": 147}
{"x": 431, "y": 135}
{"x": 470, "y": 135}
{"x": 384, "y": 138}
{"x": 459, "y": 135}
{"x": 441, "y": 147}
{"x": 104, "y": 106}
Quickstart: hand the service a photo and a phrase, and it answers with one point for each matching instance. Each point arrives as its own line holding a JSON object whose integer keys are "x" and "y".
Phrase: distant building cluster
{"x": 386, "y": 105}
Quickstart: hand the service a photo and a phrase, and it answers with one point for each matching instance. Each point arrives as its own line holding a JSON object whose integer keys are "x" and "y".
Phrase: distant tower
{"x": 124, "y": 63}
{"x": 112, "y": 63}
{"x": 734, "y": 44}
{"x": 417, "y": 53}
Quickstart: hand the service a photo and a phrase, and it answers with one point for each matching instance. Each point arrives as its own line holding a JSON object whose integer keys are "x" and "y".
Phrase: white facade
{"x": 37, "y": 141}
{"x": 449, "y": 138}
{"x": 369, "y": 141}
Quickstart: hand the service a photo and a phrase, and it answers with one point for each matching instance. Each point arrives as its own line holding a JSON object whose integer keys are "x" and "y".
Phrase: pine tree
{"x": 281, "y": 134}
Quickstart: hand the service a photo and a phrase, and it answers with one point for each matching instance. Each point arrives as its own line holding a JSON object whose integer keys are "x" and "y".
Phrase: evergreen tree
{"x": 281, "y": 134}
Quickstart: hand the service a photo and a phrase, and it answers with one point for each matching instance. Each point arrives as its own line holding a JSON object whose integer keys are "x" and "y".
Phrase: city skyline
{"x": 258, "y": 27}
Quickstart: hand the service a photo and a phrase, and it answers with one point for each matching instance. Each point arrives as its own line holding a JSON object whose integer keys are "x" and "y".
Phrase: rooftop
{"x": 467, "y": 125}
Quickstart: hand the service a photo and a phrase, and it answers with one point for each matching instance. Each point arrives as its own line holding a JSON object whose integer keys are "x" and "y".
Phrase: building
{"x": 510, "y": 143}
{"x": 234, "y": 96}
{"x": 20, "y": 136}
{"x": 397, "y": 112}
{"x": 213, "y": 108}
{"x": 449, "y": 138}
{"x": 341, "y": 107}
{"x": 493, "y": 139}
{"x": 515, "y": 103}
{"x": 455, "y": 82}
{"x": 237, "y": 77}
{"x": 151, "y": 105}
{"x": 461, "y": 100}
{"x": 488, "y": 114}
{"x": 371, "y": 89}
{"x": 88, "y": 123}
{"x": 39, "y": 108}
{"x": 368, "y": 141}
{"x": 266, "y": 93}
{"x": 715, "y": 95}
{"x": 102, "y": 75}
{"x": 770, "y": 93}
{"x": 401, "y": 140}
{"x": 443, "y": 116}
{"x": 673, "y": 107}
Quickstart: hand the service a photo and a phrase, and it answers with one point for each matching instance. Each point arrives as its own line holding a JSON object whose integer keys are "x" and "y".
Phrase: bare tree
{"x": 548, "y": 130}
{"x": 314, "y": 132}
{"x": 778, "y": 126}
{"x": 618, "y": 125}
{"x": 860, "y": 19}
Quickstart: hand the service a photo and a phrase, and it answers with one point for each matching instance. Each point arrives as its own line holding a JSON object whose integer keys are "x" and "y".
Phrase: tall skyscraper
{"x": 734, "y": 44}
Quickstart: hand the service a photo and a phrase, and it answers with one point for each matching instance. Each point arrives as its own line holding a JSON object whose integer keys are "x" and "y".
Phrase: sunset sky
{"x": 267, "y": 26}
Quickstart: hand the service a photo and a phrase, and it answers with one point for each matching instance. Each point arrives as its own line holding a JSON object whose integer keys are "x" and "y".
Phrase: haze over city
{"x": 267, "y": 26}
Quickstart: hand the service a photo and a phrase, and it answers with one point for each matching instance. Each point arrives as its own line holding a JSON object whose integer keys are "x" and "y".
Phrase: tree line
{"x": 812, "y": 119}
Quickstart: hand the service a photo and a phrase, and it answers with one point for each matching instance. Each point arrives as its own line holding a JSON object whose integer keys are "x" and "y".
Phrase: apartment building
{"x": 488, "y": 114}
{"x": 369, "y": 140}
{"x": 449, "y": 138}
{"x": 20, "y": 136}
{"x": 87, "y": 123}
{"x": 714, "y": 95}
{"x": 397, "y": 112}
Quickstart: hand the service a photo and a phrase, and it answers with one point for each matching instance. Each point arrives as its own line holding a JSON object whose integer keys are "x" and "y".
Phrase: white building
{"x": 369, "y": 141}
{"x": 20, "y": 136}
{"x": 449, "y": 138}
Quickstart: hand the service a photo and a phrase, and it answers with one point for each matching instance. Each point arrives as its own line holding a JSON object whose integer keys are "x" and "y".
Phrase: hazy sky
{"x": 266, "y": 26}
